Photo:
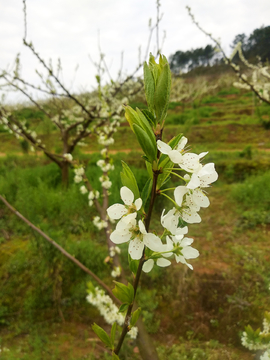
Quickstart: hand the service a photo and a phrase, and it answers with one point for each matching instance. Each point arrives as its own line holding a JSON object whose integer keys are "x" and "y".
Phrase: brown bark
{"x": 64, "y": 171}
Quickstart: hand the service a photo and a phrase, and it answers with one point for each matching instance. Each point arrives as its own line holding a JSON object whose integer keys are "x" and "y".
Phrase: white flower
{"x": 189, "y": 161}
{"x": 194, "y": 199}
{"x": 83, "y": 189}
{"x": 133, "y": 332}
{"x": 68, "y": 157}
{"x": 266, "y": 355}
{"x": 204, "y": 177}
{"x": 77, "y": 178}
{"x": 116, "y": 272}
{"x": 93, "y": 195}
{"x": 127, "y": 229}
{"x": 79, "y": 172}
{"x": 116, "y": 211}
{"x": 91, "y": 202}
{"x": 186, "y": 251}
{"x": 106, "y": 184}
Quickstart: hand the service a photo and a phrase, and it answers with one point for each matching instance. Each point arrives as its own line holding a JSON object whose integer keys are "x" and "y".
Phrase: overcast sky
{"x": 68, "y": 29}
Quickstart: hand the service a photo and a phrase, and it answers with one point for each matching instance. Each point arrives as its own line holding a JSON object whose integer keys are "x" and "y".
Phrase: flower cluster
{"x": 79, "y": 172}
{"x": 188, "y": 199}
{"x": 108, "y": 309}
{"x": 92, "y": 196}
{"x": 99, "y": 223}
{"x": 116, "y": 272}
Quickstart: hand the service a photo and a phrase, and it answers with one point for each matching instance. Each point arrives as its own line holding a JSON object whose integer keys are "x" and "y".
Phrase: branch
{"x": 62, "y": 250}
{"x": 228, "y": 60}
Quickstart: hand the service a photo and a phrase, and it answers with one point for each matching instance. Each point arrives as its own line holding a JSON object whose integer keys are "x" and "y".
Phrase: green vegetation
{"x": 193, "y": 315}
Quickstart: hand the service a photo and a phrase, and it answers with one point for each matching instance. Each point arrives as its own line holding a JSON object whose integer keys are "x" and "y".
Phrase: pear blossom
{"x": 127, "y": 230}
{"x": 185, "y": 250}
{"x": 83, "y": 189}
{"x": 116, "y": 272}
{"x": 189, "y": 162}
{"x": 194, "y": 199}
{"x": 203, "y": 178}
{"x": 116, "y": 211}
{"x": 68, "y": 157}
{"x": 108, "y": 309}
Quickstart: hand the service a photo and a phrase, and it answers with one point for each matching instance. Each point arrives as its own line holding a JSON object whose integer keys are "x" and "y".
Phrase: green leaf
{"x": 133, "y": 264}
{"x": 150, "y": 117}
{"x": 104, "y": 337}
{"x": 115, "y": 357}
{"x": 132, "y": 116}
{"x": 146, "y": 126}
{"x": 123, "y": 308}
{"x": 113, "y": 330}
{"x": 149, "y": 86}
{"x": 128, "y": 179}
{"x": 135, "y": 317}
{"x": 162, "y": 93}
{"x": 124, "y": 293}
{"x": 144, "y": 140}
{"x": 146, "y": 191}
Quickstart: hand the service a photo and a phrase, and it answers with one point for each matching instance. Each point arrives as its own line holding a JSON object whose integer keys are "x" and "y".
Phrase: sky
{"x": 73, "y": 30}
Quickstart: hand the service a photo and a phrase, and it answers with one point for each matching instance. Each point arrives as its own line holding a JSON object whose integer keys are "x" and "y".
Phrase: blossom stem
{"x": 161, "y": 191}
{"x": 169, "y": 199}
{"x": 178, "y": 176}
{"x": 142, "y": 260}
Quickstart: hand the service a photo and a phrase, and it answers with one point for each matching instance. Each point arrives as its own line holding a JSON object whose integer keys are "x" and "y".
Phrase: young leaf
{"x": 123, "y": 308}
{"x": 150, "y": 117}
{"x": 135, "y": 317}
{"x": 147, "y": 146}
{"x": 115, "y": 357}
{"x": 133, "y": 265}
{"x": 113, "y": 330}
{"x": 128, "y": 179}
{"x": 132, "y": 117}
{"x": 146, "y": 126}
{"x": 124, "y": 293}
{"x": 162, "y": 93}
{"x": 146, "y": 191}
{"x": 104, "y": 337}
{"x": 149, "y": 86}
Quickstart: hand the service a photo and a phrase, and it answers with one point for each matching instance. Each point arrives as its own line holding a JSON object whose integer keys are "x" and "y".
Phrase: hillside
{"x": 190, "y": 315}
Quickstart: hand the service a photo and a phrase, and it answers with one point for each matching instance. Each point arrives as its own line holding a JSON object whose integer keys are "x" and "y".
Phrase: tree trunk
{"x": 64, "y": 170}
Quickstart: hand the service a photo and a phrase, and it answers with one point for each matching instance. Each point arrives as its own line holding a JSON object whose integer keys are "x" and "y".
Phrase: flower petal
{"x": 153, "y": 242}
{"x": 163, "y": 147}
{"x": 194, "y": 182}
{"x": 175, "y": 156}
{"x": 119, "y": 237}
{"x": 126, "y": 195}
{"x": 182, "y": 143}
{"x": 138, "y": 204}
{"x": 135, "y": 248}
{"x": 191, "y": 217}
{"x": 142, "y": 227}
{"x": 148, "y": 265}
{"x": 200, "y": 198}
{"x": 116, "y": 211}
{"x": 179, "y": 193}
{"x": 163, "y": 262}
{"x": 190, "y": 253}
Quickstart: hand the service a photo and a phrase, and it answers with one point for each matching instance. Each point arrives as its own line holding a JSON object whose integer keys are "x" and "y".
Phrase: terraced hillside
{"x": 190, "y": 315}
